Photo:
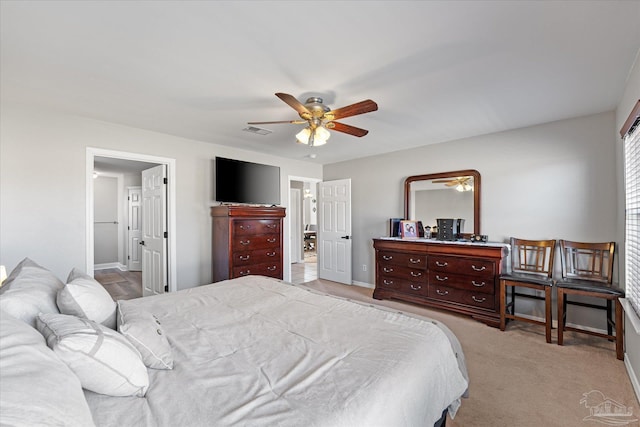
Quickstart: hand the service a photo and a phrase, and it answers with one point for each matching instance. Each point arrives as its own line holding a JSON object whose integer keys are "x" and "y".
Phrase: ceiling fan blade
{"x": 351, "y": 130}
{"x": 443, "y": 180}
{"x": 295, "y": 104}
{"x": 295, "y": 122}
{"x": 361, "y": 107}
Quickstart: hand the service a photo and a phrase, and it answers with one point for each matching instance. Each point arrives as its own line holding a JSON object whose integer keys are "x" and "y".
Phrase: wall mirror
{"x": 453, "y": 194}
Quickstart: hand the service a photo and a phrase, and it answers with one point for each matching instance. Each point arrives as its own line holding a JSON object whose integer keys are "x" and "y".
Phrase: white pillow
{"x": 145, "y": 332}
{"x": 30, "y": 289}
{"x": 84, "y": 297}
{"x": 37, "y": 388}
{"x": 104, "y": 361}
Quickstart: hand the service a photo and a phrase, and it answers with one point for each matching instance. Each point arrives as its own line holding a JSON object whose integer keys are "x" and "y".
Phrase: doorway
{"x": 127, "y": 168}
{"x": 303, "y": 214}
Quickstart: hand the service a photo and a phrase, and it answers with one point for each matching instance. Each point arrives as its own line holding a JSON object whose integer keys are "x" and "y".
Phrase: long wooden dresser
{"x": 246, "y": 240}
{"x": 454, "y": 276}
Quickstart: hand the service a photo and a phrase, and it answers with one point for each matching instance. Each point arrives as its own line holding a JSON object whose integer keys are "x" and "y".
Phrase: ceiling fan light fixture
{"x": 320, "y": 137}
{"x": 465, "y": 186}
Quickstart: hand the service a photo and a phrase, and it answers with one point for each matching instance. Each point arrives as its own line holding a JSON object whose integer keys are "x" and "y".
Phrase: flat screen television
{"x": 237, "y": 181}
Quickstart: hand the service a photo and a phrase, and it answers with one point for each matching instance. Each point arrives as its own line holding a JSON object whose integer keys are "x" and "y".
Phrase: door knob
{"x": 141, "y": 242}
{"x": 346, "y": 237}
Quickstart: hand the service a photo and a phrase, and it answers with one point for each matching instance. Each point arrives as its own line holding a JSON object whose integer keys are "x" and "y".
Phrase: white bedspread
{"x": 259, "y": 352}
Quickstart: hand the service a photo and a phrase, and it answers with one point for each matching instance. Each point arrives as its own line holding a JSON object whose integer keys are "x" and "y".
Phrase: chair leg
{"x": 619, "y": 332}
{"x": 548, "y": 321}
{"x": 609, "y": 317}
{"x": 561, "y": 314}
{"x": 503, "y": 303}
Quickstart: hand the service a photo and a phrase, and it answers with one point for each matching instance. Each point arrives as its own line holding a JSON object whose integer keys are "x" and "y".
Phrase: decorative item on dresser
{"x": 454, "y": 276}
{"x": 246, "y": 240}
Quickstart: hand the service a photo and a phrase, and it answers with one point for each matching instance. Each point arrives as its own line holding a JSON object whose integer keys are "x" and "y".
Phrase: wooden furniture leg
{"x": 560, "y": 303}
{"x": 503, "y": 304}
{"x": 619, "y": 332}
{"x": 549, "y": 317}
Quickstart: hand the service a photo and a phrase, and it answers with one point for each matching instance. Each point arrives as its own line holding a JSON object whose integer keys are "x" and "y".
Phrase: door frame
{"x": 91, "y": 154}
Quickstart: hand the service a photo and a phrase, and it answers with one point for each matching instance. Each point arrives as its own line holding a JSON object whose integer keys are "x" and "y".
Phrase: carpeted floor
{"x": 517, "y": 379}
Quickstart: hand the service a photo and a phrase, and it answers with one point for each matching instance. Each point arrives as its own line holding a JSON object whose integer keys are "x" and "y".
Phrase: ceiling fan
{"x": 319, "y": 118}
{"x": 461, "y": 183}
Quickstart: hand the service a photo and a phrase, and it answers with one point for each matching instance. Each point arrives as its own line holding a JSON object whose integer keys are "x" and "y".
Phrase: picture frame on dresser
{"x": 408, "y": 229}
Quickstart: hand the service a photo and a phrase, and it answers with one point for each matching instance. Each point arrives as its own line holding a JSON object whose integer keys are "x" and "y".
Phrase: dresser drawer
{"x": 459, "y": 281}
{"x": 470, "y": 298}
{"x": 248, "y": 227}
{"x": 260, "y": 241}
{"x": 273, "y": 269}
{"x": 257, "y": 257}
{"x": 405, "y": 286}
{"x": 402, "y": 272}
{"x": 468, "y": 266}
{"x": 399, "y": 258}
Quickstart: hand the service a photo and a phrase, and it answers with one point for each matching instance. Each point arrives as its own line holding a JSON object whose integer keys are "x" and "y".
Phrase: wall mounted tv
{"x": 237, "y": 181}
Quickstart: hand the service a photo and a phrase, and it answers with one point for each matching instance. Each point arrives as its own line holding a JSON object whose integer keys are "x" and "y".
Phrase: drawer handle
{"x": 387, "y": 269}
{"x": 442, "y": 293}
{"x": 271, "y": 225}
{"x": 244, "y": 257}
{"x": 245, "y": 242}
{"x": 478, "y": 268}
{"x": 245, "y": 272}
{"x": 415, "y": 287}
{"x": 272, "y": 268}
{"x": 387, "y": 282}
{"x": 441, "y": 264}
{"x": 271, "y": 254}
{"x": 245, "y": 227}
{"x": 416, "y": 274}
{"x": 442, "y": 279}
{"x": 387, "y": 257}
{"x": 473, "y": 297}
{"x": 414, "y": 261}
{"x": 271, "y": 240}
{"x": 478, "y": 285}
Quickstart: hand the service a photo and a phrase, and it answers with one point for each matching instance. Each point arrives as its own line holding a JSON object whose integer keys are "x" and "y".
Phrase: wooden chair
{"x": 531, "y": 267}
{"x": 587, "y": 270}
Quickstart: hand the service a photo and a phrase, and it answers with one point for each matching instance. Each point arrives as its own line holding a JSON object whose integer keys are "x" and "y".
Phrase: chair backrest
{"x": 587, "y": 261}
{"x": 532, "y": 256}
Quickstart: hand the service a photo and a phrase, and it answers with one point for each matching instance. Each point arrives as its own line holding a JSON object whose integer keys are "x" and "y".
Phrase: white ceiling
{"x": 439, "y": 71}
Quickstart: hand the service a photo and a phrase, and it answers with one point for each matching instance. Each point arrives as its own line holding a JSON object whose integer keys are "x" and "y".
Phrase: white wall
{"x": 43, "y": 194}
{"x": 556, "y": 180}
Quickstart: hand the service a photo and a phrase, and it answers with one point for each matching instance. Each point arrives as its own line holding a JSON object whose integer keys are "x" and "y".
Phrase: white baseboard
{"x": 108, "y": 265}
{"x": 363, "y": 284}
{"x": 632, "y": 376}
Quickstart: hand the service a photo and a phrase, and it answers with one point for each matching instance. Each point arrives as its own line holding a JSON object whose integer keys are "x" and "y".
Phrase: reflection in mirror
{"x": 434, "y": 200}
{"x": 444, "y": 195}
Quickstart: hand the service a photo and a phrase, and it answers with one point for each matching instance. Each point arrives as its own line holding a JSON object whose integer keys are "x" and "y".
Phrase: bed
{"x": 252, "y": 351}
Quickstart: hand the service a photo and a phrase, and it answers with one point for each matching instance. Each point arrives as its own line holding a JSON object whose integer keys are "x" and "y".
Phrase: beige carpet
{"x": 516, "y": 378}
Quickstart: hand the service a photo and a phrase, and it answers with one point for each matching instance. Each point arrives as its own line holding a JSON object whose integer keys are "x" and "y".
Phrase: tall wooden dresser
{"x": 454, "y": 276}
{"x": 246, "y": 240}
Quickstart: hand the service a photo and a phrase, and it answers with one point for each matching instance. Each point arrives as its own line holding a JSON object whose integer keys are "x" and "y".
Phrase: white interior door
{"x": 334, "y": 231}
{"x": 154, "y": 227}
{"x": 134, "y": 229}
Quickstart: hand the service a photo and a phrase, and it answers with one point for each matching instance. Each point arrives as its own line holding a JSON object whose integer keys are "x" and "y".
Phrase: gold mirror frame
{"x": 428, "y": 177}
